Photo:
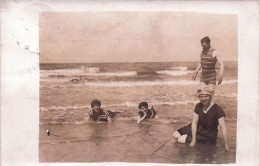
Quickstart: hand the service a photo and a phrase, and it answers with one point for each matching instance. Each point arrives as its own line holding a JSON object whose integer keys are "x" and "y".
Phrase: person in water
{"x": 208, "y": 58}
{"x": 98, "y": 114}
{"x": 206, "y": 119}
{"x": 146, "y": 113}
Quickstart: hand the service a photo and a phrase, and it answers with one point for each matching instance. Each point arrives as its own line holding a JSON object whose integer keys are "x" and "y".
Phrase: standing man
{"x": 208, "y": 58}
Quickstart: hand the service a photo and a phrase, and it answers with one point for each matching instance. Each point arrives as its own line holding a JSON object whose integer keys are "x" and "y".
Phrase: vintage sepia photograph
{"x": 138, "y": 87}
{"x": 122, "y": 82}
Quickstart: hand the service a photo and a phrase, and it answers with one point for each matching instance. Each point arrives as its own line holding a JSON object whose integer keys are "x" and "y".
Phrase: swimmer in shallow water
{"x": 206, "y": 119}
{"x": 98, "y": 114}
{"x": 146, "y": 113}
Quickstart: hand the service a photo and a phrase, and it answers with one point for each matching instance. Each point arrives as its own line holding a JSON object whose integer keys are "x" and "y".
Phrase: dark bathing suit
{"x": 150, "y": 114}
{"x": 101, "y": 115}
{"x": 207, "y": 129}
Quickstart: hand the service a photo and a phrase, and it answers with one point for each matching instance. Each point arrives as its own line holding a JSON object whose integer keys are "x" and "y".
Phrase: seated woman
{"x": 146, "y": 113}
{"x": 204, "y": 127}
{"x": 98, "y": 114}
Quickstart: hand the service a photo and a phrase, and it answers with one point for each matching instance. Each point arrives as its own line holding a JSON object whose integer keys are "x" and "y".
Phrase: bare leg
{"x": 211, "y": 88}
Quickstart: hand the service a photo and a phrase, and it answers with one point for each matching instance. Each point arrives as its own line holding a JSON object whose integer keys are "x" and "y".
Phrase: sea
{"x": 66, "y": 91}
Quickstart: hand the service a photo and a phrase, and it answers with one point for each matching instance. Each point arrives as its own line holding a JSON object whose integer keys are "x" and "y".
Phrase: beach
{"x": 66, "y": 91}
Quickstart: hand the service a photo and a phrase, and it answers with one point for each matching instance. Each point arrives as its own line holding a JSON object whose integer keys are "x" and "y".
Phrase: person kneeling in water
{"x": 146, "y": 113}
{"x": 98, "y": 114}
{"x": 204, "y": 127}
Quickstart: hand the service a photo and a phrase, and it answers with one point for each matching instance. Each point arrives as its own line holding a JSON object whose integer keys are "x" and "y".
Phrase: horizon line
{"x": 126, "y": 62}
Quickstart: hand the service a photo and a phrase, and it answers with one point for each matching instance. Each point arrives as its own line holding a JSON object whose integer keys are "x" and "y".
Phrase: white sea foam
{"x": 139, "y": 83}
{"x": 129, "y": 83}
{"x": 118, "y": 118}
{"x": 149, "y": 83}
{"x": 80, "y": 72}
{"x": 62, "y": 72}
{"x": 53, "y": 80}
{"x": 78, "y": 106}
{"x": 174, "y": 72}
{"x": 179, "y": 68}
{"x": 175, "y": 103}
{"x": 229, "y": 81}
{"x": 68, "y": 107}
{"x": 124, "y": 104}
{"x": 92, "y": 69}
{"x": 130, "y": 73}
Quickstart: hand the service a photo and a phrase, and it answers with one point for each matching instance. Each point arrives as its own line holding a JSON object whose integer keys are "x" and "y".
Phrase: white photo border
{"x": 20, "y": 71}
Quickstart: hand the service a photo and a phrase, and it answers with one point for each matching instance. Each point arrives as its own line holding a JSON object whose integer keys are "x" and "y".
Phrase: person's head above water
{"x": 95, "y": 102}
{"x": 143, "y": 104}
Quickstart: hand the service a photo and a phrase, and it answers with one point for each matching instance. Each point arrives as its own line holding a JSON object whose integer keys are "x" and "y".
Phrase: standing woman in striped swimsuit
{"x": 208, "y": 58}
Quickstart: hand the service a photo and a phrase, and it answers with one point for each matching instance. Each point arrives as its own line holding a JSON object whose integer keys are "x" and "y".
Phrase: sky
{"x": 88, "y": 37}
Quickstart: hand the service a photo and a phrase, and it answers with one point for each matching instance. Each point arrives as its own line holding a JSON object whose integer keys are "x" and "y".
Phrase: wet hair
{"x": 95, "y": 102}
{"x": 145, "y": 104}
{"x": 205, "y": 39}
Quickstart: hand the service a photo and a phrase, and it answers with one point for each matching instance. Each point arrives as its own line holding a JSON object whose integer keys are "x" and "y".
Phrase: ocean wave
{"x": 139, "y": 83}
{"x": 130, "y": 73}
{"x": 91, "y": 69}
{"x": 171, "y": 103}
{"x": 83, "y": 82}
{"x": 160, "y": 120}
{"x": 53, "y": 80}
{"x": 227, "y": 95}
{"x": 68, "y": 107}
{"x": 229, "y": 81}
{"x": 124, "y": 104}
{"x": 60, "y": 73}
{"x": 179, "y": 68}
{"x": 79, "y": 72}
{"x": 174, "y": 72}
{"x": 118, "y": 118}
{"x": 149, "y": 83}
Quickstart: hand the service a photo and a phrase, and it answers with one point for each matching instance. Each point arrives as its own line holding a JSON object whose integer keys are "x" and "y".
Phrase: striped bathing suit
{"x": 208, "y": 62}
{"x": 150, "y": 114}
{"x": 101, "y": 115}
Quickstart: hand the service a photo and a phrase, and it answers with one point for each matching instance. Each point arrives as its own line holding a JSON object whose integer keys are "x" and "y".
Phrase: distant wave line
{"x": 83, "y": 73}
{"x": 149, "y": 83}
{"x": 128, "y": 118}
{"x": 127, "y": 104}
{"x": 174, "y": 72}
{"x": 139, "y": 83}
{"x": 129, "y": 83}
{"x": 130, "y": 73}
{"x": 179, "y": 68}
